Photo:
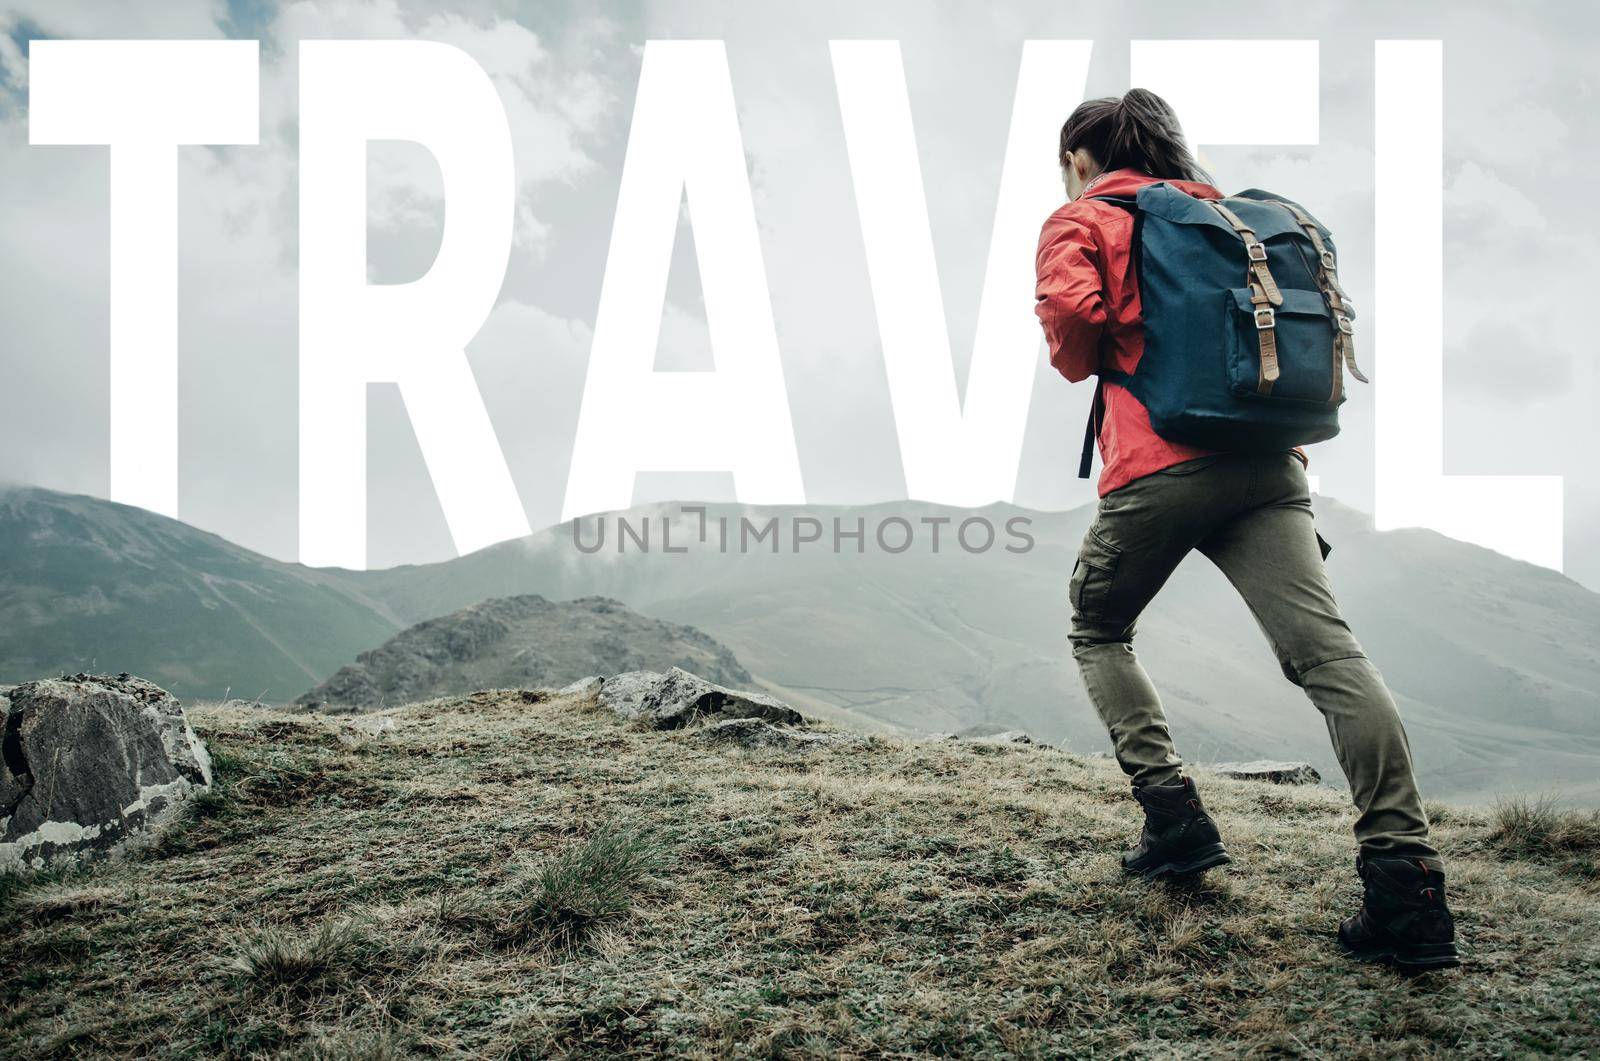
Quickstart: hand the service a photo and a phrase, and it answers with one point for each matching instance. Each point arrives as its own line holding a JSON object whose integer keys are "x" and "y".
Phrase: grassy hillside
{"x": 509, "y": 875}
{"x": 87, "y": 584}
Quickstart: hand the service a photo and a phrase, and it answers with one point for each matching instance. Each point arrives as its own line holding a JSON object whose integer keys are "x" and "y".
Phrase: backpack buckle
{"x": 1257, "y": 251}
{"x": 1344, "y": 325}
{"x": 1265, "y": 318}
{"x": 1327, "y": 260}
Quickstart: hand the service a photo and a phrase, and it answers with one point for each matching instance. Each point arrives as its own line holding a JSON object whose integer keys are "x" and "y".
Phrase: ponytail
{"x": 1137, "y": 131}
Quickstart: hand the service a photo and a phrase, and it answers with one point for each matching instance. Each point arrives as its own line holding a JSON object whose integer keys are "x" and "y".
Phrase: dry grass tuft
{"x": 579, "y": 890}
{"x": 1538, "y": 827}
{"x": 55, "y": 902}
{"x": 301, "y": 963}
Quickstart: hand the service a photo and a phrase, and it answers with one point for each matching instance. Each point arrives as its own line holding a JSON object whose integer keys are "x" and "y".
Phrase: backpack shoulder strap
{"x": 1097, "y": 406}
{"x": 1091, "y": 431}
{"x": 1097, "y": 415}
{"x": 1127, "y": 202}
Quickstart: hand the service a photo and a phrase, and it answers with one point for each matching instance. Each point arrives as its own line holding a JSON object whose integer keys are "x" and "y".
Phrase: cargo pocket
{"x": 1093, "y": 576}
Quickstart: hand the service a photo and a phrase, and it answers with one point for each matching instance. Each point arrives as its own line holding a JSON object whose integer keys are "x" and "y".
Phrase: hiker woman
{"x": 1246, "y": 510}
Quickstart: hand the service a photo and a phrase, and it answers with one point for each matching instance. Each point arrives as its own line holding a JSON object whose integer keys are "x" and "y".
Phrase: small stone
{"x": 1010, "y": 736}
{"x": 1004, "y": 737}
{"x": 756, "y": 733}
{"x": 1274, "y": 772}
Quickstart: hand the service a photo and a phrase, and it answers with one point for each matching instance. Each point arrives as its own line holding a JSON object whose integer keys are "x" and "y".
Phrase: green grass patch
{"x": 504, "y": 878}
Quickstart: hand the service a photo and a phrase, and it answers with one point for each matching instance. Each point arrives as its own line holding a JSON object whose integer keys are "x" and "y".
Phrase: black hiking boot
{"x": 1403, "y": 918}
{"x": 1179, "y": 837}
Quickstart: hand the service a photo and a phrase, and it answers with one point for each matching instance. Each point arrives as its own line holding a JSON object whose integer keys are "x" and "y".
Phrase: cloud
{"x": 1512, "y": 361}
{"x": 530, "y": 366}
{"x": 238, "y": 253}
{"x": 557, "y": 107}
{"x": 172, "y": 19}
{"x": 1519, "y": 136}
{"x": 1483, "y": 207}
{"x": 1512, "y": 277}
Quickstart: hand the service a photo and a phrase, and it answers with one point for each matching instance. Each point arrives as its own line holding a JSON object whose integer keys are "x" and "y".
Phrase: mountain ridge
{"x": 1495, "y": 662}
{"x": 522, "y": 641}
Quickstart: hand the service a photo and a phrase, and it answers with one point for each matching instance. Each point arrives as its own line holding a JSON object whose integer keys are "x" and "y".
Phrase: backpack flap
{"x": 1168, "y": 203}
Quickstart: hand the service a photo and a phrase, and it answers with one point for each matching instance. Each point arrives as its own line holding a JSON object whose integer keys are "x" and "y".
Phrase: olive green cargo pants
{"x": 1250, "y": 514}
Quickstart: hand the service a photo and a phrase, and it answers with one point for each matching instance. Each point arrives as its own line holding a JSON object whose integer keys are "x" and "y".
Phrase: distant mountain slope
{"x": 522, "y": 642}
{"x": 87, "y": 584}
{"x": 1496, "y": 662}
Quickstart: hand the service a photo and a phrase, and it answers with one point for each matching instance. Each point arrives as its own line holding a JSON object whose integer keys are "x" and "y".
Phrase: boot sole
{"x": 1202, "y": 860}
{"x": 1421, "y": 957}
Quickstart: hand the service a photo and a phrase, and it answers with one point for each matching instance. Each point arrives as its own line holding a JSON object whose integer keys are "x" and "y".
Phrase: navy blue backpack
{"x": 1247, "y": 332}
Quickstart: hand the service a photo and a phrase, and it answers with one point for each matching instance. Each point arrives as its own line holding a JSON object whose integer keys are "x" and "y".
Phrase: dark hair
{"x": 1138, "y": 131}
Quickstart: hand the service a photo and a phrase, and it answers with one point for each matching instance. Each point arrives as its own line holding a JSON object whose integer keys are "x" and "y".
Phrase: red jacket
{"x": 1087, "y": 298}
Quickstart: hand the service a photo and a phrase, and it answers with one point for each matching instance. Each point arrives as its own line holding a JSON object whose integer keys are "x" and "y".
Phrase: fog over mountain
{"x": 1496, "y": 663}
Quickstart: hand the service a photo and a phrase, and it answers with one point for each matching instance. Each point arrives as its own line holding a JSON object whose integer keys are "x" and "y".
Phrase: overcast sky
{"x": 1521, "y": 222}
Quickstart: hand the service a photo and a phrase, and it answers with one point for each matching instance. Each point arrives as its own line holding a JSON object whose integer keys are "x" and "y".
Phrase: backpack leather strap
{"x": 1254, "y": 249}
{"x": 1264, "y": 295}
{"x": 1344, "y": 343}
{"x": 1267, "y": 337}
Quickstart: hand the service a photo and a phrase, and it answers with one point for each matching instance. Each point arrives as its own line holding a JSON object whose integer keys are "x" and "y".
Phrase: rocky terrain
{"x": 673, "y": 868}
{"x": 520, "y": 642}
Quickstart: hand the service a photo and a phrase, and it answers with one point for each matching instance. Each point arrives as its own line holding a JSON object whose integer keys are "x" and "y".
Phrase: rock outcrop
{"x": 89, "y": 761}
{"x": 624, "y": 693}
{"x": 519, "y": 642}
{"x": 1277, "y": 773}
{"x": 677, "y": 699}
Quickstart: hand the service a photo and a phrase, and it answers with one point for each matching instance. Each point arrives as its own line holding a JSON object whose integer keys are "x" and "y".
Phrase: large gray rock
{"x": 1277, "y": 773}
{"x": 624, "y": 693}
{"x": 677, "y": 699}
{"x": 88, "y": 762}
{"x": 681, "y": 699}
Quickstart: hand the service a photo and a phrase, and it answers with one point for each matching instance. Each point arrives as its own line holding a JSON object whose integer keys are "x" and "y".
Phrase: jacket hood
{"x": 1120, "y": 182}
